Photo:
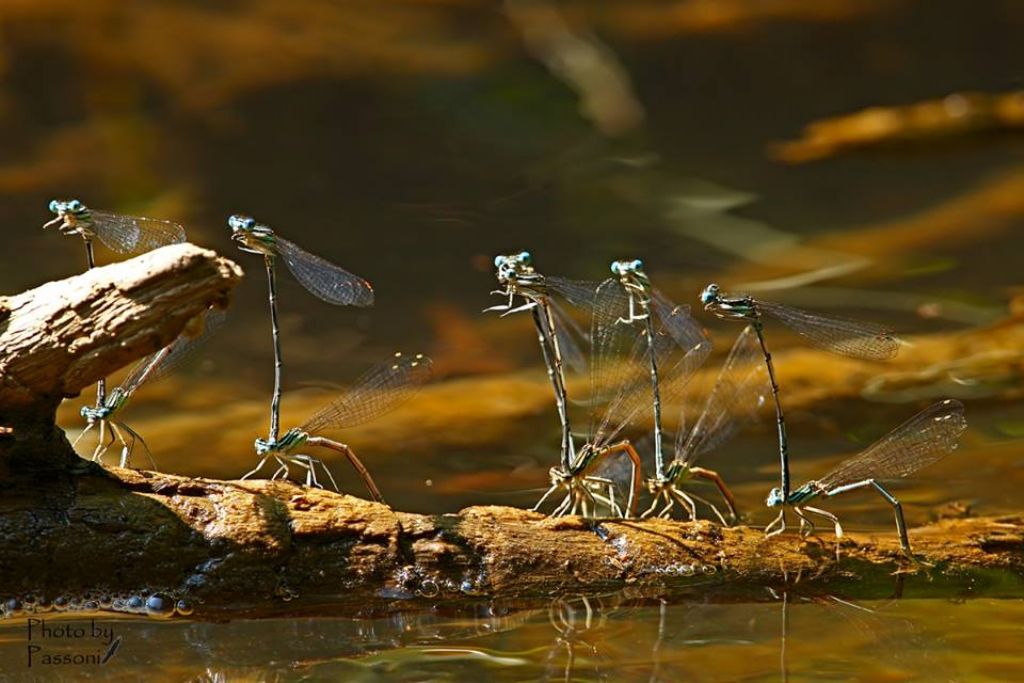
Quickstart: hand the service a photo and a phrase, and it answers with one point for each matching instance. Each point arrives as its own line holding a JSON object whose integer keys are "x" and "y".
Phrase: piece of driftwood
{"x": 59, "y": 338}
{"x": 76, "y": 535}
{"x": 257, "y": 547}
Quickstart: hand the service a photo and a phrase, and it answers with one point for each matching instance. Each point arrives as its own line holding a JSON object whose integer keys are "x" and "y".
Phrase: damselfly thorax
{"x": 638, "y": 289}
{"x": 292, "y": 440}
{"x": 737, "y": 308}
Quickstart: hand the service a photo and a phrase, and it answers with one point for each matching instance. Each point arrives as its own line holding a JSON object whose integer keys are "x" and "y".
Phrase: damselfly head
{"x": 631, "y": 273}
{"x": 92, "y": 414}
{"x": 511, "y": 266}
{"x": 558, "y": 476}
{"x": 251, "y": 236}
{"x": 70, "y": 213}
{"x": 62, "y": 207}
{"x": 710, "y": 295}
{"x": 239, "y": 223}
{"x": 775, "y": 498}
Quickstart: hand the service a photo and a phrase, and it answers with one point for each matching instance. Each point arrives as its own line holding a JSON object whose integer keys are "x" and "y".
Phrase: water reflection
{"x": 787, "y": 636}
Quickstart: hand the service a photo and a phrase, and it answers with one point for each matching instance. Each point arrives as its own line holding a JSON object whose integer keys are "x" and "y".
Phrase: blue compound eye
{"x": 239, "y": 222}
{"x": 500, "y": 260}
{"x": 75, "y": 205}
{"x": 638, "y": 264}
{"x": 616, "y": 268}
{"x": 54, "y": 206}
{"x": 525, "y": 257}
{"x": 709, "y": 294}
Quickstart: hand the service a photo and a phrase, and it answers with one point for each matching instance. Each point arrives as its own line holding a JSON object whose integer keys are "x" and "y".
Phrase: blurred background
{"x": 858, "y": 157}
{"x": 861, "y": 157}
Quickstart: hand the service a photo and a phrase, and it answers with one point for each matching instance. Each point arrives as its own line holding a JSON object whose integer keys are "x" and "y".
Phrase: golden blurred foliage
{"x": 207, "y": 53}
{"x": 934, "y": 121}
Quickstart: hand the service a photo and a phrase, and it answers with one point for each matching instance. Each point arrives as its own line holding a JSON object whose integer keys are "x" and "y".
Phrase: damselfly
{"x": 735, "y": 400}
{"x": 517, "y": 277}
{"x": 123, "y": 234}
{"x": 381, "y": 389}
{"x": 321, "y": 278}
{"x": 920, "y": 441}
{"x": 656, "y": 316}
{"x": 149, "y": 369}
{"x": 838, "y": 335}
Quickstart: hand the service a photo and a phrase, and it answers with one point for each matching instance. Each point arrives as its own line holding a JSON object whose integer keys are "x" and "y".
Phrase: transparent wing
{"x": 567, "y": 331}
{"x": 134, "y": 234}
{"x": 920, "y": 441}
{"x": 838, "y": 335}
{"x": 678, "y": 330}
{"x": 617, "y": 370}
{"x": 677, "y": 322}
{"x": 329, "y": 282}
{"x": 155, "y": 366}
{"x": 140, "y": 371}
{"x": 740, "y": 391}
{"x": 623, "y": 352}
{"x": 381, "y": 389}
{"x": 579, "y": 293}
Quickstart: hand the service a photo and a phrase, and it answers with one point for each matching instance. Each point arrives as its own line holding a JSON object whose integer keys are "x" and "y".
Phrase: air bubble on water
{"x": 135, "y": 603}
{"x": 429, "y": 589}
{"x": 159, "y": 605}
{"x": 60, "y": 603}
{"x": 467, "y": 587}
{"x": 105, "y": 600}
{"x": 184, "y": 607}
{"x": 709, "y": 569}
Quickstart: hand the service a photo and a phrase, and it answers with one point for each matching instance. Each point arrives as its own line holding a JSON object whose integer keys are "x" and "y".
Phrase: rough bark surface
{"x": 258, "y": 547}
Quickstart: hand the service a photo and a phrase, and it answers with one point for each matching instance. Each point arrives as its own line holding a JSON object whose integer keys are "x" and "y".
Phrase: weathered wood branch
{"x": 61, "y": 337}
{"x": 251, "y": 547}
